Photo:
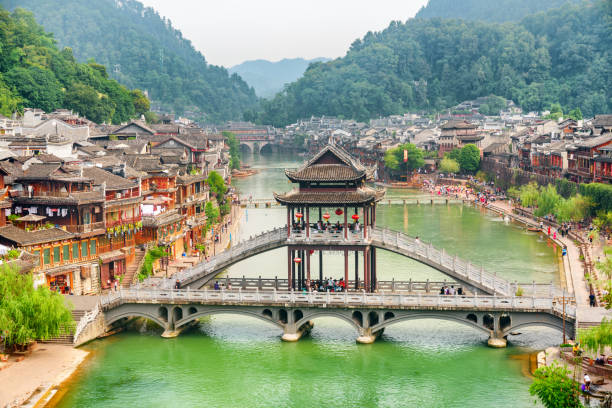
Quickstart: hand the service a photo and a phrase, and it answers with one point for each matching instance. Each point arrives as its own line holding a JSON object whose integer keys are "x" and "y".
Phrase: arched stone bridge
{"x": 368, "y": 313}
{"x": 475, "y": 279}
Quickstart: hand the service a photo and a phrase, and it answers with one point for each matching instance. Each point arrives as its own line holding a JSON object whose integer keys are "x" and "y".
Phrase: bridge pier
{"x": 497, "y": 342}
{"x": 366, "y": 336}
{"x": 291, "y": 333}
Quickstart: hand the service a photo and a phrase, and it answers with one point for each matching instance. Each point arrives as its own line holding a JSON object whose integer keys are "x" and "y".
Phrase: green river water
{"x": 232, "y": 361}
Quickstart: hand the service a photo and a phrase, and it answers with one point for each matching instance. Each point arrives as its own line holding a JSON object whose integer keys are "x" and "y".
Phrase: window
{"x": 66, "y": 254}
{"x": 46, "y": 256}
{"x": 75, "y": 250}
{"x": 37, "y": 255}
{"x": 92, "y": 247}
{"x": 56, "y": 255}
{"x": 83, "y": 249}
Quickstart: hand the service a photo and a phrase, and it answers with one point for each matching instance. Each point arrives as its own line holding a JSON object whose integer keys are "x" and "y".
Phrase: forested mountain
{"x": 562, "y": 56}
{"x": 35, "y": 74}
{"x": 143, "y": 50}
{"x": 486, "y": 10}
{"x": 269, "y": 77}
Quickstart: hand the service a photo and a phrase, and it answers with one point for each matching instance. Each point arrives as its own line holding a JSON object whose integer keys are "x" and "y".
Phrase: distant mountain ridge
{"x": 143, "y": 50}
{"x": 496, "y": 11}
{"x": 558, "y": 56}
{"x": 269, "y": 77}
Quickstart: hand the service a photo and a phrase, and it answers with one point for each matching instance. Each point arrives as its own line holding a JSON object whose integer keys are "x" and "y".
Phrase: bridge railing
{"x": 323, "y": 299}
{"x": 462, "y": 270}
{"x": 460, "y": 267}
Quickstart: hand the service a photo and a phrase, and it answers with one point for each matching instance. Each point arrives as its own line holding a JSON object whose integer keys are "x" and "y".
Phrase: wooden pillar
{"x": 366, "y": 281}
{"x": 292, "y": 270}
{"x": 321, "y": 265}
{"x": 374, "y": 215}
{"x": 320, "y": 213}
{"x": 346, "y": 255}
{"x": 299, "y": 271}
{"x": 365, "y": 222}
{"x": 345, "y": 224}
{"x": 373, "y": 268}
{"x": 307, "y": 222}
{"x": 288, "y": 222}
{"x": 308, "y": 266}
{"x": 289, "y": 270}
{"x": 356, "y": 270}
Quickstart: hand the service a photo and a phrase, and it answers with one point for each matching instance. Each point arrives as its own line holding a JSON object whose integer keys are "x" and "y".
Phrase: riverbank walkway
{"x": 574, "y": 267}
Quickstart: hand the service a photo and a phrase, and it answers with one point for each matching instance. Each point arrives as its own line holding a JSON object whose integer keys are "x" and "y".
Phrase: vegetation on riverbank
{"x": 27, "y": 313}
{"x": 152, "y": 255}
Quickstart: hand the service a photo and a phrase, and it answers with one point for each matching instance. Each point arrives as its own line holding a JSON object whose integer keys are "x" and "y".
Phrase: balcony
{"x": 112, "y": 223}
{"x": 80, "y": 229}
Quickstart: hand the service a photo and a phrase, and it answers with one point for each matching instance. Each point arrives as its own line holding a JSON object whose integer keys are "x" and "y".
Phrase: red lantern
{"x": 297, "y": 260}
{"x": 326, "y": 216}
{"x": 355, "y": 217}
{"x": 339, "y": 211}
{"x": 298, "y": 215}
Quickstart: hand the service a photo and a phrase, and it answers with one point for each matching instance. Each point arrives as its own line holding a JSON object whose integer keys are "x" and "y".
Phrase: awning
{"x": 107, "y": 257}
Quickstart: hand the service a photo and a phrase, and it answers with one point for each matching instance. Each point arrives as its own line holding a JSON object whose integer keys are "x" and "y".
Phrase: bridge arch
{"x": 123, "y": 315}
{"x": 210, "y": 312}
{"x": 557, "y": 326}
{"x": 246, "y": 147}
{"x": 418, "y": 316}
{"x": 266, "y": 148}
{"x": 327, "y": 313}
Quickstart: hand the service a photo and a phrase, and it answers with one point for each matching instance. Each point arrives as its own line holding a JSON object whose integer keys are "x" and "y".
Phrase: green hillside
{"x": 562, "y": 56}
{"x": 498, "y": 11}
{"x": 34, "y": 73}
{"x": 143, "y": 50}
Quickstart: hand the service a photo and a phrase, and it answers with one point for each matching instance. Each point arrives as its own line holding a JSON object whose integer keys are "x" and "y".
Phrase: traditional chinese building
{"x": 327, "y": 205}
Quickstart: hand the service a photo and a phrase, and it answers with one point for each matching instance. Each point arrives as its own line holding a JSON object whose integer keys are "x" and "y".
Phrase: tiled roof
{"x": 87, "y": 197}
{"x": 326, "y": 172}
{"x": 456, "y": 124}
{"x": 162, "y": 219}
{"x": 22, "y": 237}
{"x": 113, "y": 182}
{"x": 362, "y": 195}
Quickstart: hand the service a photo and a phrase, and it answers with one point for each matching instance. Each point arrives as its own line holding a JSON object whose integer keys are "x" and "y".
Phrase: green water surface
{"x": 235, "y": 361}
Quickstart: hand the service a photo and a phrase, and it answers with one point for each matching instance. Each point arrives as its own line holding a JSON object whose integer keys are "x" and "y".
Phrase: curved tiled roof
{"x": 22, "y": 237}
{"x": 326, "y": 172}
{"x": 363, "y": 195}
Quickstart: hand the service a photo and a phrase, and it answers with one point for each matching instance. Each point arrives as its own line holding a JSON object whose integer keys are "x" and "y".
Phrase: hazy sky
{"x": 229, "y": 32}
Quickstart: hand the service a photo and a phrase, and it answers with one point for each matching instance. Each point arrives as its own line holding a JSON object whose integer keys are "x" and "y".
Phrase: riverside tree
{"x": 234, "y": 149}
{"x": 28, "y": 313}
{"x": 448, "y": 165}
{"x": 469, "y": 159}
{"x": 554, "y": 388}
{"x": 394, "y": 158}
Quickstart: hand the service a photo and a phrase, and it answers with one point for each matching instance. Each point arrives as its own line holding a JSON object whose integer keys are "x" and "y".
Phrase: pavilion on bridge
{"x": 331, "y": 181}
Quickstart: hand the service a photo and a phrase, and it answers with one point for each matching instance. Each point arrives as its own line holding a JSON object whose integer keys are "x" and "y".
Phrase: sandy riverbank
{"x": 48, "y": 366}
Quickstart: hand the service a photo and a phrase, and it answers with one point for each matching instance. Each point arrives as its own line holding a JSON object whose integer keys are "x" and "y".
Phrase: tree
{"x": 547, "y": 201}
{"x": 554, "y": 388}
{"x": 469, "y": 159}
{"x": 216, "y": 184}
{"x": 454, "y": 154}
{"x": 140, "y": 101}
{"x": 529, "y": 194}
{"x": 86, "y": 101}
{"x": 234, "y": 149}
{"x": 555, "y": 112}
{"x": 448, "y": 165}
{"x": 28, "y": 314}
{"x": 596, "y": 339}
{"x": 394, "y": 158}
{"x": 572, "y": 209}
{"x": 575, "y": 114}
{"x": 212, "y": 214}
